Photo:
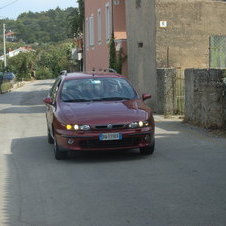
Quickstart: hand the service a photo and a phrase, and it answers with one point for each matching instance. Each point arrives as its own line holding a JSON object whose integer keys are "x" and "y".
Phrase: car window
{"x": 54, "y": 89}
{"x": 97, "y": 89}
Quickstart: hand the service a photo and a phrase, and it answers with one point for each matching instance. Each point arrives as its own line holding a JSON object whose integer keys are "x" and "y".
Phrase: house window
{"x": 99, "y": 25}
{"x": 87, "y": 33}
{"x": 91, "y": 31}
{"x": 108, "y": 21}
{"x": 138, "y": 3}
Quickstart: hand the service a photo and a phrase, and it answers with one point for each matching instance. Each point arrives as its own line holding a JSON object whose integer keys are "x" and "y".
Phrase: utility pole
{"x": 4, "y": 46}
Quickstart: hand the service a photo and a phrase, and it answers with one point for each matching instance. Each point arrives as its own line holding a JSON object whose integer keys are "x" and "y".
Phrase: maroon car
{"x": 95, "y": 111}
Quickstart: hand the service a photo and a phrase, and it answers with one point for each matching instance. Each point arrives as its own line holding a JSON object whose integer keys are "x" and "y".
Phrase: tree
{"x": 115, "y": 58}
{"x": 22, "y": 65}
{"x": 119, "y": 61}
{"x": 76, "y": 19}
{"x": 30, "y": 26}
{"x": 112, "y": 51}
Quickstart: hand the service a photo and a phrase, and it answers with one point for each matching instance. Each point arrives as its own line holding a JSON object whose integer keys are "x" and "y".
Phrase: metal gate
{"x": 179, "y": 92}
{"x": 217, "y": 51}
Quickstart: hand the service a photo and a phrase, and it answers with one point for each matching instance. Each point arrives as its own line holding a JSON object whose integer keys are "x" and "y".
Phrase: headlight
{"x": 133, "y": 125}
{"x": 139, "y": 124}
{"x": 85, "y": 127}
{"x": 78, "y": 127}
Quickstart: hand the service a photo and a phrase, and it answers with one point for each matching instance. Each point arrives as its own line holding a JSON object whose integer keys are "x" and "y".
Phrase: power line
{"x": 2, "y": 7}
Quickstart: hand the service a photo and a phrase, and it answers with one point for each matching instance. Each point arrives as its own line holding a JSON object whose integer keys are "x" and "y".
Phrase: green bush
{"x": 43, "y": 73}
{"x": 4, "y": 87}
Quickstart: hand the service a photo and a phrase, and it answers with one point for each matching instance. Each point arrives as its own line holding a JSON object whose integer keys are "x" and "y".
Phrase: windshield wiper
{"x": 77, "y": 100}
{"x": 115, "y": 98}
{"x": 98, "y": 99}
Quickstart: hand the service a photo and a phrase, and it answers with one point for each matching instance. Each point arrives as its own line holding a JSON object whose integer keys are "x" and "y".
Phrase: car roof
{"x": 78, "y": 75}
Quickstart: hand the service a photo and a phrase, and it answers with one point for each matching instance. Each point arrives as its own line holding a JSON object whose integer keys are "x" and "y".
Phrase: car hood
{"x": 114, "y": 112}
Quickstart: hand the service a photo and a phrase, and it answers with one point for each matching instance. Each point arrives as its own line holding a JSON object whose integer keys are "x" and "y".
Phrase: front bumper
{"x": 89, "y": 140}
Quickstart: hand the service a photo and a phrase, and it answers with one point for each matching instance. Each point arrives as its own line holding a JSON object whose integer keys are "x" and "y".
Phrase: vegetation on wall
{"x": 112, "y": 51}
{"x": 76, "y": 19}
{"x": 119, "y": 61}
{"x": 115, "y": 58}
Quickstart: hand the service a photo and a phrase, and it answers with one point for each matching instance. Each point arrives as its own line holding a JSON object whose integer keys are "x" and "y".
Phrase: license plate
{"x": 110, "y": 136}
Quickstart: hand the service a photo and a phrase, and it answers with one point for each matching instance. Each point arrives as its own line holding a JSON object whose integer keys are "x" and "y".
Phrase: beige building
{"x": 183, "y": 31}
{"x": 140, "y": 19}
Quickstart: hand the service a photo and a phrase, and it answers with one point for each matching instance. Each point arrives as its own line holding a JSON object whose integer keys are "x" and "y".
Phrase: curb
{"x": 162, "y": 118}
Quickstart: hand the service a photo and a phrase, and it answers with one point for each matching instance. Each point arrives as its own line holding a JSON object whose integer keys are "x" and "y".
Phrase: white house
{"x": 15, "y": 52}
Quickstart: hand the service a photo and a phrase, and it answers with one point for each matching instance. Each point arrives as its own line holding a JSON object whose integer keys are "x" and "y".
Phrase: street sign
{"x": 163, "y": 23}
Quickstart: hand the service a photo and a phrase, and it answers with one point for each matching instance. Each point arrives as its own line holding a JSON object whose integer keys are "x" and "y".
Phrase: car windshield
{"x": 97, "y": 89}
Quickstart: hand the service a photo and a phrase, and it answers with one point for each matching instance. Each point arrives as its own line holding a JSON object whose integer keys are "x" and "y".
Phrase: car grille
{"x": 127, "y": 142}
{"x": 110, "y": 126}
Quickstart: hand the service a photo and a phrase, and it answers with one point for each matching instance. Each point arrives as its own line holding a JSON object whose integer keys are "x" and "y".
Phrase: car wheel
{"x": 59, "y": 155}
{"x": 149, "y": 150}
{"x": 50, "y": 139}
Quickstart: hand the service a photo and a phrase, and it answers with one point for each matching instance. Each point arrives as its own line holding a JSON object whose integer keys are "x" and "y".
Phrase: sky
{"x": 16, "y": 7}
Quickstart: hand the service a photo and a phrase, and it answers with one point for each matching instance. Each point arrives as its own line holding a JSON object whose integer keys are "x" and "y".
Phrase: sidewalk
{"x": 179, "y": 119}
{"x": 162, "y": 118}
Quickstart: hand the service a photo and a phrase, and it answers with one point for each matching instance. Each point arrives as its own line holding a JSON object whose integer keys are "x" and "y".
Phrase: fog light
{"x": 70, "y": 141}
{"x": 69, "y": 127}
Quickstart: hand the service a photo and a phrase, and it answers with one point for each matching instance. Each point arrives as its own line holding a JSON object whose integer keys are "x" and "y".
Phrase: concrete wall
{"x": 205, "y": 97}
{"x": 141, "y": 46}
{"x": 189, "y": 25}
{"x": 166, "y": 91}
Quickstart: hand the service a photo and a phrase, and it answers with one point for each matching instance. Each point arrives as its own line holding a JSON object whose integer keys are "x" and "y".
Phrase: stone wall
{"x": 205, "y": 97}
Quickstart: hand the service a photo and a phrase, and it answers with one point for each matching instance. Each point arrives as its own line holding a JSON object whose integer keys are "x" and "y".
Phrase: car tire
{"x": 149, "y": 150}
{"x": 59, "y": 155}
{"x": 50, "y": 138}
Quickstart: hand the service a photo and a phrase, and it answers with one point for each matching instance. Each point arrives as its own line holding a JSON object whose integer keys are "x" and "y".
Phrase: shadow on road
{"x": 33, "y": 96}
{"x": 183, "y": 179}
{"x": 45, "y": 84}
{"x": 34, "y": 149}
{"x": 23, "y": 110}
{"x": 104, "y": 156}
{"x": 23, "y": 98}
{"x": 32, "y": 172}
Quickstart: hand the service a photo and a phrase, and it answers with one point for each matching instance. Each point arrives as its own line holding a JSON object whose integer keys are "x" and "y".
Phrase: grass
{"x": 6, "y": 86}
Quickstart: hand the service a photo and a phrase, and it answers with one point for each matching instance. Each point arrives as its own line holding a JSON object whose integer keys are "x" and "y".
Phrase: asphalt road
{"x": 183, "y": 183}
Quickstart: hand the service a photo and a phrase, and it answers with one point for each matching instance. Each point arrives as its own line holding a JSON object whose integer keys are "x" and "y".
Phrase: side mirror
{"x": 48, "y": 100}
{"x": 146, "y": 96}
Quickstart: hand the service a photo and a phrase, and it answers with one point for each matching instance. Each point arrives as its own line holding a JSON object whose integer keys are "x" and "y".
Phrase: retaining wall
{"x": 205, "y": 97}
